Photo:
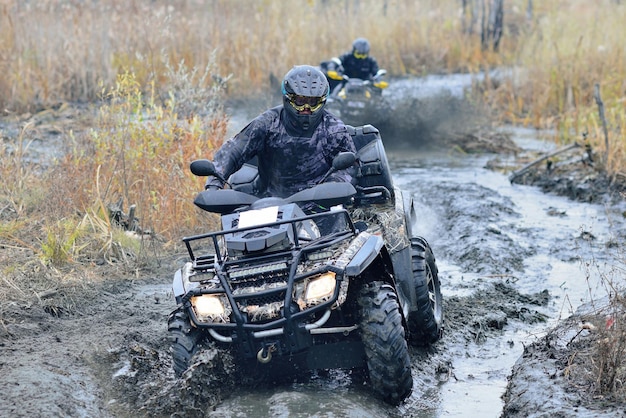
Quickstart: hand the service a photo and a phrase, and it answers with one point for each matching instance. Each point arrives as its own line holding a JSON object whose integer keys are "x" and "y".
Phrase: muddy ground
{"x": 560, "y": 374}
{"x": 99, "y": 348}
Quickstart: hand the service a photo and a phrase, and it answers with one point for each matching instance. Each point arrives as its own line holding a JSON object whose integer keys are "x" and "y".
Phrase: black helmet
{"x": 305, "y": 89}
{"x": 360, "y": 48}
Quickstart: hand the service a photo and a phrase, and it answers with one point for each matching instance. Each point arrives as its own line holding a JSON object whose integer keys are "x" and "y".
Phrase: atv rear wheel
{"x": 383, "y": 336}
{"x": 426, "y": 321}
{"x": 184, "y": 340}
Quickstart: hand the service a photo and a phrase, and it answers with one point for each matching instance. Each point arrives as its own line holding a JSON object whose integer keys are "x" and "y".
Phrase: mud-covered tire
{"x": 184, "y": 340}
{"x": 383, "y": 337}
{"x": 425, "y": 322}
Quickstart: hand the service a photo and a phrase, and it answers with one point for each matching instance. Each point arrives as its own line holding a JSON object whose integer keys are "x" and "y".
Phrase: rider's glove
{"x": 213, "y": 183}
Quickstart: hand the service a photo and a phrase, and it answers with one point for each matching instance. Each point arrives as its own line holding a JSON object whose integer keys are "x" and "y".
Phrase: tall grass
{"x": 55, "y": 223}
{"x": 570, "y": 47}
{"x": 137, "y": 152}
{"x": 57, "y": 50}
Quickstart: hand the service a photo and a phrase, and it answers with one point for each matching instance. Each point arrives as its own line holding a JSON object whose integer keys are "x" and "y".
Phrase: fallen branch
{"x": 528, "y": 166}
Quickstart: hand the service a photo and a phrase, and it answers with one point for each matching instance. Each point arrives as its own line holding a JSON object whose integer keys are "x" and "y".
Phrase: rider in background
{"x": 358, "y": 63}
{"x": 295, "y": 143}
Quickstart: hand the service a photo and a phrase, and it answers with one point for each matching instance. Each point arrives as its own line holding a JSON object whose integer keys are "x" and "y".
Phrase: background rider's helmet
{"x": 305, "y": 90}
{"x": 360, "y": 48}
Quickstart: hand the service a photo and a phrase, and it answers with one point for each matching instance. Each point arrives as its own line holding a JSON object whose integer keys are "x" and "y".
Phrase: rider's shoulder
{"x": 269, "y": 115}
{"x": 333, "y": 123}
{"x": 273, "y": 111}
{"x": 345, "y": 57}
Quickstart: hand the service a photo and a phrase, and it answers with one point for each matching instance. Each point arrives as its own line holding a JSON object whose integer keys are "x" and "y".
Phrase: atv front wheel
{"x": 184, "y": 340}
{"x": 426, "y": 320}
{"x": 383, "y": 337}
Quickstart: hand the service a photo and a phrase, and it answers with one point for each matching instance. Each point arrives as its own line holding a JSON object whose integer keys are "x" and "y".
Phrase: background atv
{"x": 286, "y": 290}
{"x": 354, "y": 100}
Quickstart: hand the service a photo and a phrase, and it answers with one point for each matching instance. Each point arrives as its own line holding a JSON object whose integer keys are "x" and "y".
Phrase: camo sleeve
{"x": 245, "y": 144}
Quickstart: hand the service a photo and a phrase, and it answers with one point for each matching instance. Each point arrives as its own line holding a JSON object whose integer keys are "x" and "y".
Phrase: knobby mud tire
{"x": 425, "y": 323}
{"x": 383, "y": 336}
{"x": 184, "y": 340}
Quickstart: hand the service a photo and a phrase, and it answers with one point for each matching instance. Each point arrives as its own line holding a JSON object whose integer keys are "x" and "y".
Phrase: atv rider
{"x": 294, "y": 143}
{"x": 355, "y": 64}
{"x": 358, "y": 63}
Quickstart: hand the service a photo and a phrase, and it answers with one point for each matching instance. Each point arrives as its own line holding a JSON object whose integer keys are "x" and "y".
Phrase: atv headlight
{"x": 208, "y": 306}
{"x": 320, "y": 287}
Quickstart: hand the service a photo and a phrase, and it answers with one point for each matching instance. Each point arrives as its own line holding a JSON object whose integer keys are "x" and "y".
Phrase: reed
{"x": 54, "y": 50}
{"x": 136, "y": 152}
{"x": 57, "y": 50}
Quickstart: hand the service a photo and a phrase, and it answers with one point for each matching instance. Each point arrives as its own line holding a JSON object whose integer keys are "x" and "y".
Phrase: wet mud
{"x": 542, "y": 381}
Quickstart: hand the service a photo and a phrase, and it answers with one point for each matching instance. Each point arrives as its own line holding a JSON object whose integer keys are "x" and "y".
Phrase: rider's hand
{"x": 213, "y": 183}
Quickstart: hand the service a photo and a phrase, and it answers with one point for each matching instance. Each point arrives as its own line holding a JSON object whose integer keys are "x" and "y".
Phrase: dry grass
{"x": 57, "y": 50}
{"x": 56, "y": 230}
{"x": 139, "y": 150}
{"x": 596, "y": 365}
{"x": 566, "y": 51}
{"x": 54, "y": 51}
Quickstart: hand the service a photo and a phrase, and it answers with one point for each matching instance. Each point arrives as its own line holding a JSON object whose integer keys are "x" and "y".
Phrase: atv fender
{"x": 374, "y": 263}
{"x": 409, "y": 214}
{"x": 364, "y": 257}
{"x": 181, "y": 284}
{"x": 402, "y": 275}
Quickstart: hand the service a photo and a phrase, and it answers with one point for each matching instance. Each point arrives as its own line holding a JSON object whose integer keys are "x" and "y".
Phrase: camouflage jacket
{"x": 287, "y": 164}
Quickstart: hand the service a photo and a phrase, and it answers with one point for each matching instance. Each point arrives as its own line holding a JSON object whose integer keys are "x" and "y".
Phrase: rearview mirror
{"x": 344, "y": 160}
{"x": 203, "y": 168}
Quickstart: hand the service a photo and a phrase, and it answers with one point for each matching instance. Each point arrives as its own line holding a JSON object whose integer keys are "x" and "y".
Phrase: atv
{"x": 354, "y": 100}
{"x": 346, "y": 286}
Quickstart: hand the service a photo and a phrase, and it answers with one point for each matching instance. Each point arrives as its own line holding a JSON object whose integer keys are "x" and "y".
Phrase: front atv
{"x": 282, "y": 289}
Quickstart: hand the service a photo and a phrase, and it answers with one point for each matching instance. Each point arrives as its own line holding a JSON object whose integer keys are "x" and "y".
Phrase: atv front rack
{"x": 263, "y": 292}
{"x": 204, "y": 257}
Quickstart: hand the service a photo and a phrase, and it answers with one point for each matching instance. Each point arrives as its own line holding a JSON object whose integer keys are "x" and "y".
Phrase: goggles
{"x": 359, "y": 56}
{"x": 302, "y": 102}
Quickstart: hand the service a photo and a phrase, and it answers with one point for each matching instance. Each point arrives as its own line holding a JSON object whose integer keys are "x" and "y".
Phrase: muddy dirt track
{"x": 510, "y": 263}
